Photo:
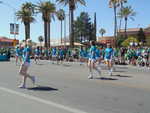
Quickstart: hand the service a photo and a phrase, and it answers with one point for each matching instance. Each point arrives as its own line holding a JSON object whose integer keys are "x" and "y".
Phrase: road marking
{"x": 72, "y": 110}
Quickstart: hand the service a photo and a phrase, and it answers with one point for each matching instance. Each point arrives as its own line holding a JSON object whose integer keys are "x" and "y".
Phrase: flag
{"x": 12, "y": 28}
{"x": 17, "y": 29}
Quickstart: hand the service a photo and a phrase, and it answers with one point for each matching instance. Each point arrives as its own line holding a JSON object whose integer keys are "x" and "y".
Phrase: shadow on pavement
{"x": 66, "y": 65}
{"x": 121, "y": 71}
{"x": 122, "y": 67}
{"x": 122, "y": 76}
{"x": 40, "y": 64}
{"x": 106, "y": 78}
{"x": 42, "y": 88}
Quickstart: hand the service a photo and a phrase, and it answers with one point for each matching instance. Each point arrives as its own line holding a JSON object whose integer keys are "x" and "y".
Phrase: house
{"x": 7, "y": 42}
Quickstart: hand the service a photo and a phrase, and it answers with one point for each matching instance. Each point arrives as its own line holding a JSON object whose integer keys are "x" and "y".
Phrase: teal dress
{"x": 26, "y": 54}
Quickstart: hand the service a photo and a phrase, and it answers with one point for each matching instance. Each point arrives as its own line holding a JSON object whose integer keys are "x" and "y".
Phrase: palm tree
{"x": 72, "y": 6}
{"x": 102, "y": 32}
{"x": 122, "y": 2}
{"x": 26, "y": 15}
{"x": 126, "y": 13}
{"x": 29, "y": 6}
{"x": 61, "y": 17}
{"x": 114, "y": 4}
{"x": 48, "y": 10}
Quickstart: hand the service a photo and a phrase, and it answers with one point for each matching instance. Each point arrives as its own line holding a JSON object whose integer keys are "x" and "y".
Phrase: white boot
{"x": 110, "y": 72}
{"x": 90, "y": 76}
{"x": 98, "y": 70}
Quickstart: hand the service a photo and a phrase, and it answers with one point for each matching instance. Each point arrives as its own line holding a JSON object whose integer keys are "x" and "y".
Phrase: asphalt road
{"x": 66, "y": 89}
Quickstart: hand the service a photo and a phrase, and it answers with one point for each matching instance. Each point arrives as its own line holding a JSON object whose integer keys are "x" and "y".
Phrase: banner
{"x": 12, "y": 28}
{"x": 17, "y": 29}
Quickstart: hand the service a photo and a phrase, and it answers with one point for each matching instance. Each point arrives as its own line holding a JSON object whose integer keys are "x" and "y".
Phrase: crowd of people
{"x": 91, "y": 55}
{"x": 138, "y": 56}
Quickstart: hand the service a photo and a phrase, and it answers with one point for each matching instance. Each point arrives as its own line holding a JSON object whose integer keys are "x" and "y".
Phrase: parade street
{"x": 67, "y": 89}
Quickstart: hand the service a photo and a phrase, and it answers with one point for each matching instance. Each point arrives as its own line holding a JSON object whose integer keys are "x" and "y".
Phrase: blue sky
{"x": 104, "y": 17}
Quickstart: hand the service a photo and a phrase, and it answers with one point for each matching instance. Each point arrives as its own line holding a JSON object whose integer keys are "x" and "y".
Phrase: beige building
{"x": 134, "y": 31}
{"x": 130, "y": 32}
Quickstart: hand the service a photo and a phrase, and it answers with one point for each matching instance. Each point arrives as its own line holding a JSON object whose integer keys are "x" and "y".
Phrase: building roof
{"x": 147, "y": 29}
{"x": 106, "y": 38}
{"x": 130, "y": 30}
{"x": 133, "y": 31}
{"x": 136, "y": 29}
{"x": 5, "y": 39}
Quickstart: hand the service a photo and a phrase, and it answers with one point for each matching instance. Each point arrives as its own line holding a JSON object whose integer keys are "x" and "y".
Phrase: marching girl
{"x": 86, "y": 55}
{"x": 19, "y": 50}
{"x": 92, "y": 60}
{"x": 98, "y": 56}
{"x": 54, "y": 54}
{"x": 81, "y": 56}
{"x": 37, "y": 54}
{"x": 25, "y": 65}
{"x": 108, "y": 57}
{"x": 60, "y": 56}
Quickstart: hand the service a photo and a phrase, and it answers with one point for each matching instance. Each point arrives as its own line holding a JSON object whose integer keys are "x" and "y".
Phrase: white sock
{"x": 98, "y": 70}
{"x": 111, "y": 70}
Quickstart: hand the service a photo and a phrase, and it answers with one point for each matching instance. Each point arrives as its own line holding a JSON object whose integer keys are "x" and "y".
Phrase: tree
{"x": 83, "y": 27}
{"x": 120, "y": 39}
{"x": 141, "y": 36}
{"x": 127, "y": 42}
{"x": 48, "y": 10}
{"x": 72, "y": 6}
{"x": 102, "y": 31}
{"x": 61, "y": 17}
{"x": 26, "y": 15}
{"x": 114, "y": 4}
{"x": 91, "y": 31}
{"x": 122, "y": 2}
{"x": 126, "y": 13}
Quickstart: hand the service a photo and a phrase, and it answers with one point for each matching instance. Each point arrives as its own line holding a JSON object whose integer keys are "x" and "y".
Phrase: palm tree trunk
{"x": 115, "y": 23}
{"x": 26, "y": 31}
{"x": 72, "y": 29}
{"x": 69, "y": 25}
{"x": 120, "y": 23}
{"x": 126, "y": 20}
{"x": 45, "y": 33}
{"x": 65, "y": 31}
{"x": 61, "y": 31}
{"x": 48, "y": 26}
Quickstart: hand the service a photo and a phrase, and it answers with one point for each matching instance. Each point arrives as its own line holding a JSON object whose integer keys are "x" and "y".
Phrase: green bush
{"x": 127, "y": 42}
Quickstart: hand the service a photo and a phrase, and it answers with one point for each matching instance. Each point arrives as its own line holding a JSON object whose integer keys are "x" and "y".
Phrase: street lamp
{"x": 8, "y": 5}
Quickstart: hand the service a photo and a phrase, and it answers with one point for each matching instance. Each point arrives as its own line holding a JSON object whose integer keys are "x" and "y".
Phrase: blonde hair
{"x": 29, "y": 42}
